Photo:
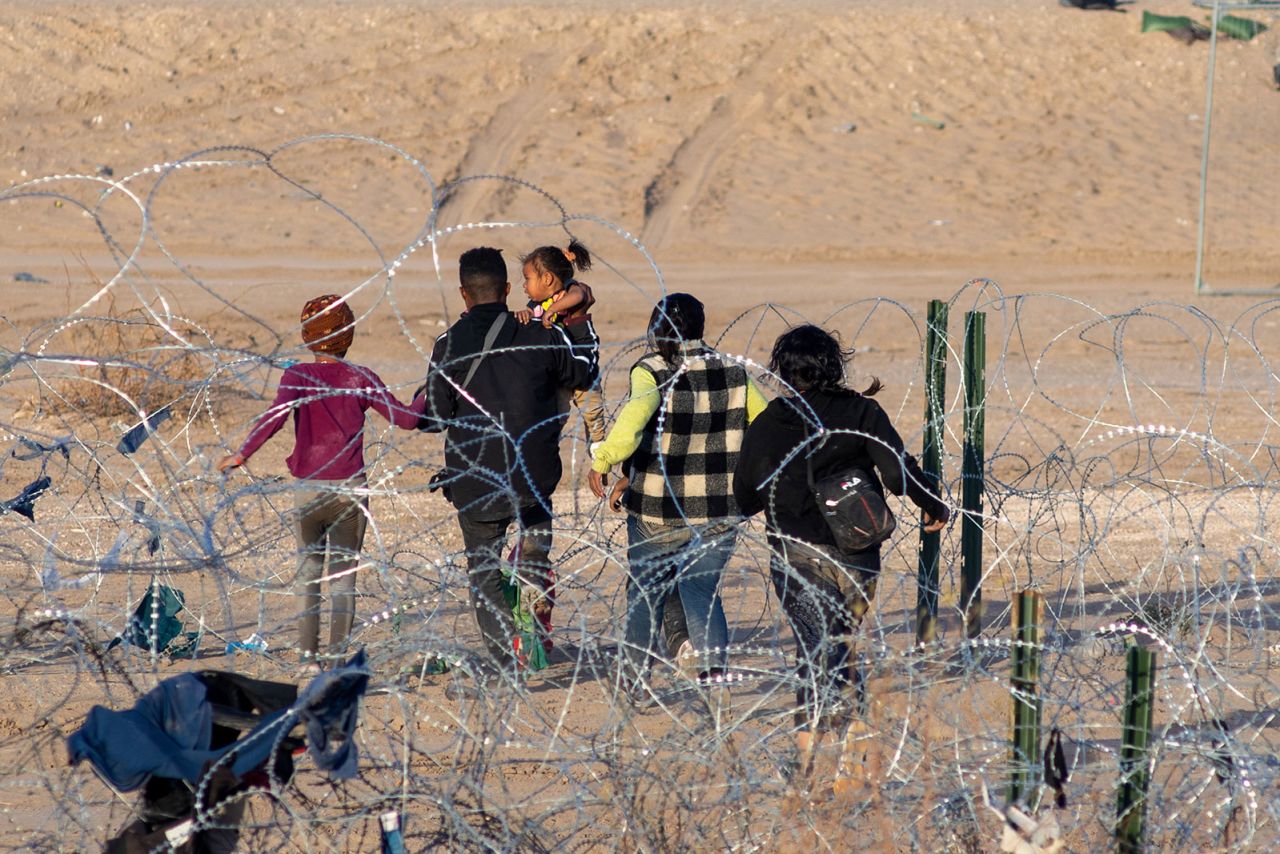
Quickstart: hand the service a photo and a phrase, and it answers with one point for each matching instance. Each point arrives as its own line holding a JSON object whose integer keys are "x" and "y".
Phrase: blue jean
{"x": 689, "y": 560}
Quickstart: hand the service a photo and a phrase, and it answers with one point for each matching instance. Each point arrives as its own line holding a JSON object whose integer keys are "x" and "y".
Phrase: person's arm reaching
{"x": 439, "y": 397}
{"x": 899, "y": 471}
{"x": 268, "y": 424}
{"x": 574, "y": 299}
{"x": 628, "y": 429}
{"x": 384, "y": 402}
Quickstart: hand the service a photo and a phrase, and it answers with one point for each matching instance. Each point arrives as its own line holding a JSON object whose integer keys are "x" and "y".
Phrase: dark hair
{"x": 483, "y": 274}
{"x": 675, "y": 319}
{"x": 559, "y": 262}
{"x": 808, "y": 358}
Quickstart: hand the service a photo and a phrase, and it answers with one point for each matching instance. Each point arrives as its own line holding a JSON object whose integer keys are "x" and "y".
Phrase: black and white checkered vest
{"x": 683, "y": 470}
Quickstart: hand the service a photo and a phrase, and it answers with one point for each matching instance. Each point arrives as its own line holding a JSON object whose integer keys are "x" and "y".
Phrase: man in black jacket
{"x": 494, "y": 389}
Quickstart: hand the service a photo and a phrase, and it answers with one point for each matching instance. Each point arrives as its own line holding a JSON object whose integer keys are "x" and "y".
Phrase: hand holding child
{"x": 598, "y": 482}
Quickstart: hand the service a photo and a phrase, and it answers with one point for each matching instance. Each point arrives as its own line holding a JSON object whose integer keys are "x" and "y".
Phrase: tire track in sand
{"x": 490, "y": 152}
{"x": 673, "y": 192}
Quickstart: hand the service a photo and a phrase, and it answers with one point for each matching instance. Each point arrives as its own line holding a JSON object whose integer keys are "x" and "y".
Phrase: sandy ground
{"x": 706, "y": 129}
{"x": 779, "y": 165}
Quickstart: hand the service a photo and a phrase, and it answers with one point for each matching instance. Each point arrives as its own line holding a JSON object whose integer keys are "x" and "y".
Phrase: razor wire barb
{"x": 1129, "y": 480}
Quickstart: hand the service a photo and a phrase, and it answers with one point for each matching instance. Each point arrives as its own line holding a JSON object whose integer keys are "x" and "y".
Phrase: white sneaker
{"x": 687, "y": 661}
{"x": 593, "y": 447}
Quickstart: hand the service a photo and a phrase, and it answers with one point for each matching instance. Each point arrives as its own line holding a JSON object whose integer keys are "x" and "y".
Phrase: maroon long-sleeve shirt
{"x": 328, "y": 401}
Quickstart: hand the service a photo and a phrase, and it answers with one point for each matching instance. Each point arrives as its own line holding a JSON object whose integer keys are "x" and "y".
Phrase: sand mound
{"x": 704, "y": 128}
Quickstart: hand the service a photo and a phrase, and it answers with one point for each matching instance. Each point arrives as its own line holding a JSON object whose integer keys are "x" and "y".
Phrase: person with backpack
{"x": 494, "y": 389}
{"x": 824, "y": 442}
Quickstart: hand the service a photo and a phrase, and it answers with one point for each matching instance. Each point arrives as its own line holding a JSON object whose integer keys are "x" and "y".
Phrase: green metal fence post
{"x": 1024, "y": 779}
{"x": 1135, "y": 765}
{"x": 972, "y": 474}
{"x": 935, "y": 385}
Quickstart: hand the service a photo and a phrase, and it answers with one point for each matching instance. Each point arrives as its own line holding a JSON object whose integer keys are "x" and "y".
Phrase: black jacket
{"x": 783, "y": 493}
{"x": 502, "y": 439}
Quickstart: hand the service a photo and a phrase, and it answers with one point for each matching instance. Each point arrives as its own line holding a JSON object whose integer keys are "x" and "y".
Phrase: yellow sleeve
{"x": 755, "y": 401}
{"x": 628, "y": 429}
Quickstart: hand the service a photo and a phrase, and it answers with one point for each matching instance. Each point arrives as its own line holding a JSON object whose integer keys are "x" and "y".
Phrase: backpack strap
{"x": 490, "y": 337}
{"x": 826, "y": 435}
{"x": 808, "y": 457}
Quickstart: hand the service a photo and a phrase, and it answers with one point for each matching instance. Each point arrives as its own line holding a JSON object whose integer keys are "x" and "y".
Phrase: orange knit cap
{"x": 328, "y": 325}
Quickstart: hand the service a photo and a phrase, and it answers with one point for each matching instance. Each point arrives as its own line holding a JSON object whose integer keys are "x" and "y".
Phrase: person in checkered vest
{"x": 678, "y": 437}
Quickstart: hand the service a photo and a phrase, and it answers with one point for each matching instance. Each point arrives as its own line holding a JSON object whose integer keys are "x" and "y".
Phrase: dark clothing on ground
{"x": 170, "y": 731}
{"x": 502, "y": 446}
{"x": 166, "y": 733}
{"x": 184, "y": 740}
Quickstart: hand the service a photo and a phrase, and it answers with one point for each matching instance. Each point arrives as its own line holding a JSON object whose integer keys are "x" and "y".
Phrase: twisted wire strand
{"x": 1129, "y": 479}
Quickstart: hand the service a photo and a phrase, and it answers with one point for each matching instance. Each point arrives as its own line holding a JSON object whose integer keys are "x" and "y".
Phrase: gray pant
{"x": 331, "y": 523}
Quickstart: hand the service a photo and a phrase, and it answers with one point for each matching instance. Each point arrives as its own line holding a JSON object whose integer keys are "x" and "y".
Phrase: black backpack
{"x": 854, "y": 511}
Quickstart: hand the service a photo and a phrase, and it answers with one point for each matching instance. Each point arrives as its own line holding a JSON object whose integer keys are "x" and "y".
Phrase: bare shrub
{"x": 126, "y": 361}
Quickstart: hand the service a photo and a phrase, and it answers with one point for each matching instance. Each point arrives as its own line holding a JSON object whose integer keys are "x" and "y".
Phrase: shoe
{"x": 855, "y": 772}
{"x": 719, "y": 701}
{"x": 687, "y": 661}
{"x": 593, "y": 447}
{"x": 638, "y": 694}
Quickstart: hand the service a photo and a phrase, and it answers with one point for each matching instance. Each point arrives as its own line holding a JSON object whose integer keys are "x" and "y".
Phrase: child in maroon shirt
{"x": 328, "y": 399}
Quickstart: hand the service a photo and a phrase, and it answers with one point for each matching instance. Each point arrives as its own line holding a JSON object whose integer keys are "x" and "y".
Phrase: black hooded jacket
{"x": 762, "y": 482}
{"x": 502, "y": 438}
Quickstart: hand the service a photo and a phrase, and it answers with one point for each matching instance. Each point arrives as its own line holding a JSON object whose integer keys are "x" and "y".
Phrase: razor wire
{"x": 1129, "y": 480}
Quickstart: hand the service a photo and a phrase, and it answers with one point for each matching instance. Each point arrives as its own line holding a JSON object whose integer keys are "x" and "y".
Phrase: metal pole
{"x": 1024, "y": 779}
{"x": 1135, "y": 770}
{"x": 975, "y": 391}
{"x": 935, "y": 384}
{"x": 1204, "y": 153}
